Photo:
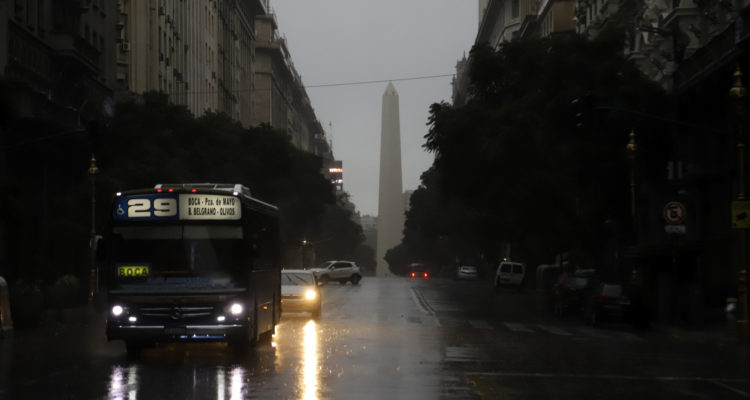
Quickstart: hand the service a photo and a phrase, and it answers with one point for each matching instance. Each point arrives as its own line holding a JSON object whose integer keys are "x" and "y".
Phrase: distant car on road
{"x": 299, "y": 292}
{"x": 571, "y": 291}
{"x": 341, "y": 271}
{"x": 467, "y": 272}
{"x": 417, "y": 270}
{"x": 509, "y": 273}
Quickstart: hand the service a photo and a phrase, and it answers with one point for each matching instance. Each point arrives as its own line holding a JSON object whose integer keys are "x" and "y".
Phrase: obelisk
{"x": 391, "y": 203}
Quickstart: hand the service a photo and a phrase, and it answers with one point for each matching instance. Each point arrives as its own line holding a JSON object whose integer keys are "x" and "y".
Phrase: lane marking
{"x": 594, "y": 333}
{"x": 479, "y": 324}
{"x": 515, "y": 327}
{"x": 630, "y": 336}
{"x": 463, "y": 354}
{"x": 421, "y": 302}
{"x": 554, "y": 330}
{"x": 614, "y": 377}
{"x": 730, "y": 388}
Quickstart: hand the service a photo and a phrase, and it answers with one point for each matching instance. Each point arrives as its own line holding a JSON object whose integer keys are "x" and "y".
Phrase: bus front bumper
{"x": 219, "y": 332}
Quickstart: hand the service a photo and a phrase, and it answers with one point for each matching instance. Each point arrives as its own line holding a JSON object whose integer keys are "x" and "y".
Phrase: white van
{"x": 510, "y": 273}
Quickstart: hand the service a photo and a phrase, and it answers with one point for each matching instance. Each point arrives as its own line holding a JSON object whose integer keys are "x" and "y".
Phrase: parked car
{"x": 614, "y": 302}
{"x": 467, "y": 272}
{"x": 510, "y": 273}
{"x": 341, "y": 271}
{"x": 606, "y": 302}
{"x": 299, "y": 292}
{"x": 571, "y": 291}
{"x": 546, "y": 277}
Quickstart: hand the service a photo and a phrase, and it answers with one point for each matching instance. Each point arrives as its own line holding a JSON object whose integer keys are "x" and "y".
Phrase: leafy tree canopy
{"x": 537, "y": 156}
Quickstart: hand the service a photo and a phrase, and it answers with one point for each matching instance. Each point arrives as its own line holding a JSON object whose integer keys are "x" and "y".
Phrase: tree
{"x": 148, "y": 142}
{"x": 515, "y": 165}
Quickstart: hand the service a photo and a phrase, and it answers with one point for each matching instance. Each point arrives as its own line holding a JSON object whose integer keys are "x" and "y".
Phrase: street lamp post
{"x": 631, "y": 149}
{"x": 93, "y": 277}
{"x": 738, "y": 93}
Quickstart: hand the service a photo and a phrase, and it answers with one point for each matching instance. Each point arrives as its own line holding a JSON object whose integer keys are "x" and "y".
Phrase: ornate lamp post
{"x": 94, "y": 278}
{"x": 738, "y": 93}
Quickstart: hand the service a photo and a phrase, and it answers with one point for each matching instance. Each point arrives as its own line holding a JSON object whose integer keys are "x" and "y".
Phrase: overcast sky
{"x": 341, "y": 41}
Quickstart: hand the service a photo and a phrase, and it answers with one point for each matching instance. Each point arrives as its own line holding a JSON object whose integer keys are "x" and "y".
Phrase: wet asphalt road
{"x": 388, "y": 339}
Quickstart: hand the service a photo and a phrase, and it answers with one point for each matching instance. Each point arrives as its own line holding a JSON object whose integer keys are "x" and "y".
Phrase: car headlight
{"x": 310, "y": 294}
{"x": 236, "y": 309}
{"x": 117, "y": 310}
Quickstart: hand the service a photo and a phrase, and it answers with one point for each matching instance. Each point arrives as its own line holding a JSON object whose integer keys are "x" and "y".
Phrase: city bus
{"x": 191, "y": 262}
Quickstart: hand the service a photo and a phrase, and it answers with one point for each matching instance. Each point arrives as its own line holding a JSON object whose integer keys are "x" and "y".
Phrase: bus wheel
{"x": 265, "y": 339}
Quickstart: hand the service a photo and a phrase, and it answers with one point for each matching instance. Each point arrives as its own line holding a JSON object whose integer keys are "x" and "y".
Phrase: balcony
{"x": 78, "y": 49}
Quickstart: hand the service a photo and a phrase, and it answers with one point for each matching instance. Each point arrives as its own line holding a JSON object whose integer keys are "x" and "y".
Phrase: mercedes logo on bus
{"x": 175, "y": 313}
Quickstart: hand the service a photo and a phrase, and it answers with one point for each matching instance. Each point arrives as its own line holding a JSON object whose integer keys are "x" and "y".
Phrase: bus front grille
{"x": 177, "y": 312}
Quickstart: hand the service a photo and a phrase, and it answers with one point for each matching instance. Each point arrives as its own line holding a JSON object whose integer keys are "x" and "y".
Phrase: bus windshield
{"x": 216, "y": 252}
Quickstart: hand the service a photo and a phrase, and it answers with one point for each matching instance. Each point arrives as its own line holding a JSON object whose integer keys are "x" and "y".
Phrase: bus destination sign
{"x": 170, "y": 206}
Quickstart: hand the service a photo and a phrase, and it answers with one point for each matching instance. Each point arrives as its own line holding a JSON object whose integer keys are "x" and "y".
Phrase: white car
{"x": 341, "y": 271}
{"x": 510, "y": 273}
{"x": 467, "y": 272}
{"x": 299, "y": 292}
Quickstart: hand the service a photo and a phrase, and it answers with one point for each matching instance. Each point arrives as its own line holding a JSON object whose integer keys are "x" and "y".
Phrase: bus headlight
{"x": 117, "y": 310}
{"x": 310, "y": 294}
{"x": 236, "y": 309}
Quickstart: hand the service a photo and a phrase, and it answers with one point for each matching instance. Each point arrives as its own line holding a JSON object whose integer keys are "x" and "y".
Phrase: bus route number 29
{"x": 147, "y": 208}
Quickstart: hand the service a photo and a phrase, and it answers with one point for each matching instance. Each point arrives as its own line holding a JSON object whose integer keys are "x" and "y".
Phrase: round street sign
{"x": 674, "y": 213}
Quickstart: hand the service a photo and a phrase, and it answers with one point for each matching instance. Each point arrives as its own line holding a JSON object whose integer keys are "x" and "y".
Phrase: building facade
{"x": 692, "y": 49}
{"x": 199, "y": 52}
{"x": 222, "y": 56}
{"x": 58, "y": 58}
{"x": 505, "y": 20}
{"x": 279, "y": 97}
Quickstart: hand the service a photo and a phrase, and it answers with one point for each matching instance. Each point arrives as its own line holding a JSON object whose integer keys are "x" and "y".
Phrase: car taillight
{"x": 413, "y": 275}
{"x": 425, "y": 275}
{"x": 602, "y": 298}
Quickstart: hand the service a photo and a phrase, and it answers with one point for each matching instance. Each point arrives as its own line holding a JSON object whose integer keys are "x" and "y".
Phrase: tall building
{"x": 197, "y": 52}
{"x": 336, "y": 175}
{"x": 216, "y": 55}
{"x": 505, "y": 20}
{"x": 391, "y": 200}
{"x": 279, "y": 97}
{"x": 57, "y": 58}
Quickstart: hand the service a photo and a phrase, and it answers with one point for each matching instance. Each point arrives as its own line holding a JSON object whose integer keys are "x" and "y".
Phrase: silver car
{"x": 299, "y": 292}
{"x": 467, "y": 272}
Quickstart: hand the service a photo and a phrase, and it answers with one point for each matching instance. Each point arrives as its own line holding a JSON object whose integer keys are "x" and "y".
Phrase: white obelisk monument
{"x": 391, "y": 203}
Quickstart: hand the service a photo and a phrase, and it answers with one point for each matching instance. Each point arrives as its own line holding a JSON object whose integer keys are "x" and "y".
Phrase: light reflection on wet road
{"x": 386, "y": 339}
